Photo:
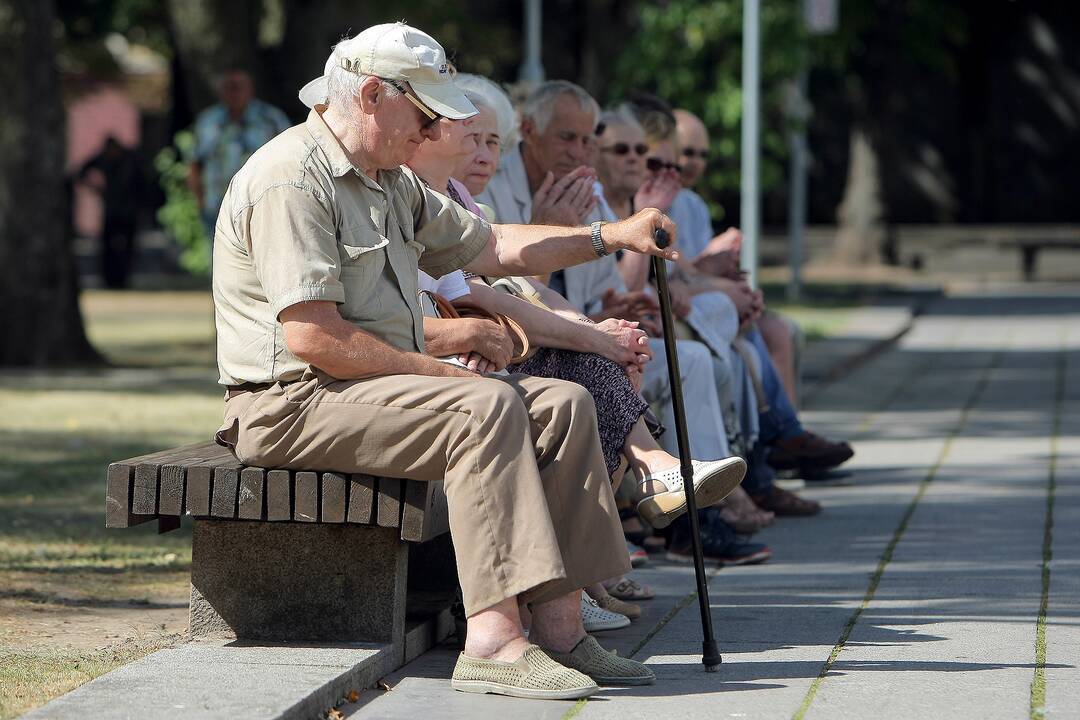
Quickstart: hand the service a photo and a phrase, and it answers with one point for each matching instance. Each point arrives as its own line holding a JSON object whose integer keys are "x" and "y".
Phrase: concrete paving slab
{"x": 225, "y": 680}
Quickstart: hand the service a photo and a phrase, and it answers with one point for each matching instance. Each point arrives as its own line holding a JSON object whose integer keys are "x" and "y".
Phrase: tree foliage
{"x": 690, "y": 53}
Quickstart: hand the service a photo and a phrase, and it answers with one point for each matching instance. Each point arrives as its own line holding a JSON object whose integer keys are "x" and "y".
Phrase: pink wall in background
{"x": 90, "y": 119}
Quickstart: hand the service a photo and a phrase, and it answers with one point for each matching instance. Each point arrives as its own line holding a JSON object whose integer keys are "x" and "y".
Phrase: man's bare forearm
{"x": 540, "y": 249}
{"x": 533, "y": 250}
{"x": 317, "y": 334}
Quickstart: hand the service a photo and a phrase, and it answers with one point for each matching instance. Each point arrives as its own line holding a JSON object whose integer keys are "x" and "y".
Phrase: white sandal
{"x": 713, "y": 480}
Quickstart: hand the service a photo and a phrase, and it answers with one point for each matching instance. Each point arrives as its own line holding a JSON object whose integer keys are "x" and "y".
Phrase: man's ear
{"x": 371, "y": 95}
{"x": 527, "y": 128}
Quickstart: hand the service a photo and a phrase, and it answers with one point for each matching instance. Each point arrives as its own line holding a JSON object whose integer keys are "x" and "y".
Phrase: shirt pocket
{"x": 363, "y": 258}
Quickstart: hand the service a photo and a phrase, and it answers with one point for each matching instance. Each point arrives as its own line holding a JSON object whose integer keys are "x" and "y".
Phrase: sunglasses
{"x": 655, "y": 164}
{"x": 702, "y": 153}
{"x": 432, "y": 116}
{"x": 624, "y": 149}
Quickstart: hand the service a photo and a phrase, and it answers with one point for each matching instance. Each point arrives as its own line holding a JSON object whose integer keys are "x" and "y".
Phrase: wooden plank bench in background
{"x": 280, "y": 555}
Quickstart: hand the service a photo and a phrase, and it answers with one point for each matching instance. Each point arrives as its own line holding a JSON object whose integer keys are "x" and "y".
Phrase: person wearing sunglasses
{"x": 785, "y": 444}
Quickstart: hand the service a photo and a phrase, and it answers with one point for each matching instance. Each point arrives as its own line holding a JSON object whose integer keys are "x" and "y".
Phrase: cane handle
{"x": 662, "y": 238}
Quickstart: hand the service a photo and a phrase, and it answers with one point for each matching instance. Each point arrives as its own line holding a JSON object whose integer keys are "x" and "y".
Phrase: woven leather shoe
{"x": 534, "y": 675}
{"x": 606, "y": 668}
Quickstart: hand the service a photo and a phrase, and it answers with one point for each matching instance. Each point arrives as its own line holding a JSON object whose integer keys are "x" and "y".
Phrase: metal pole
{"x": 532, "y": 70}
{"x": 751, "y": 200}
{"x": 797, "y": 200}
{"x": 710, "y": 651}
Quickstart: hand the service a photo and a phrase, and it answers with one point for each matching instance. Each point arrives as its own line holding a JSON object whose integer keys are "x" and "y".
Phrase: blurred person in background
{"x": 226, "y": 135}
{"x": 115, "y": 175}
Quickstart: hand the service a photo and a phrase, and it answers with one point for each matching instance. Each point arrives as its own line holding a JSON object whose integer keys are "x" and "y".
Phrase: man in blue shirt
{"x": 226, "y": 135}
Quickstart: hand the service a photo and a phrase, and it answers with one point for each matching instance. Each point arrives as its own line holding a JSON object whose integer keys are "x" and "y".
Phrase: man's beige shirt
{"x": 299, "y": 223}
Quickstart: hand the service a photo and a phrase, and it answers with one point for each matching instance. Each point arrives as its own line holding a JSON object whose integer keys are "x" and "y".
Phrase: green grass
{"x": 58, "y": 432}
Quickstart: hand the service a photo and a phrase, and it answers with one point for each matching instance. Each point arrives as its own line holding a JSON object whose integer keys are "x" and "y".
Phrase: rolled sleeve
{"x": 294, "y": 247}
{"x": 450, "y": 235}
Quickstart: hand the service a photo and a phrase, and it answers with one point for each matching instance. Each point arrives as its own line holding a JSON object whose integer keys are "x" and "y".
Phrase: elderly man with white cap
{"x": 321, "y": 347}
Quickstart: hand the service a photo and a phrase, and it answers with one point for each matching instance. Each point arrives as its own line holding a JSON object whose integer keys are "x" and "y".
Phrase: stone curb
{"x": 220, "y": 680}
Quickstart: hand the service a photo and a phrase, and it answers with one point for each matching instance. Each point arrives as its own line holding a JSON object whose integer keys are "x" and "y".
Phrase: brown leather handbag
{"x": 442, "y": 308}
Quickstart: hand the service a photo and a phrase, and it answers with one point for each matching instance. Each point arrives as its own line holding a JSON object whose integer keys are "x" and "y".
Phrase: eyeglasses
{"x": 690, "y": 153}
{"x": 655, "y": 164}
{"x": 432, "y": 116}
{"x": 625, "y": 148}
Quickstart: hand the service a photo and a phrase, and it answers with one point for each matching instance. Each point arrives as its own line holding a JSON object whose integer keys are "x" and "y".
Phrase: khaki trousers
{"x": 531, "y": 507}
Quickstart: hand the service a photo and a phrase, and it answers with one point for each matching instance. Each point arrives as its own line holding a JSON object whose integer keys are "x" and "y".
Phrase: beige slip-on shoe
{"x": 534, "y": 675}
{"x": 713, "y": 480}
{"x": 606, "y": 668}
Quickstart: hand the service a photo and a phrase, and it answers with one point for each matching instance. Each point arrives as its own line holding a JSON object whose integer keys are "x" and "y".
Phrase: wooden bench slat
{"x": 425, "y": 515}
{"x": 119, "y": 490}
{"x": 226, "y": 489}
{"x": 250, "y": 503}
{"x": 361, "y": 498}
{"x": 144, "y": 489}
{"x": 306, "y": 505}
{"x": 172, "y": 475}
{"x": 334, "y": 489}
{"x": 279, "y": 495}
{"x": 389, "y": 503}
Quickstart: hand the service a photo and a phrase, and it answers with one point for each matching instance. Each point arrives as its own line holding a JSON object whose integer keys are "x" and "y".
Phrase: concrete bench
{"x": 294, "y": 556}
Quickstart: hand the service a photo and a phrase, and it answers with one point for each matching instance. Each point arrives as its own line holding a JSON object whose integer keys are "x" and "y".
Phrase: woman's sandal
{"x": 628, "y": 589}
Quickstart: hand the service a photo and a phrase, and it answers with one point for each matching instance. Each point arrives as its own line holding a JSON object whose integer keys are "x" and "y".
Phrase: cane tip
{"x": 712, "y": 668}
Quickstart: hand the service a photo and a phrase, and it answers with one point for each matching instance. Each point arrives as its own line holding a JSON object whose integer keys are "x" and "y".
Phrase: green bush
{"x": 180, "y": 214}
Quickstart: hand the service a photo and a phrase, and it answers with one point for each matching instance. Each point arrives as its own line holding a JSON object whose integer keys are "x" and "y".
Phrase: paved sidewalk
{"x": 944, "y": 582}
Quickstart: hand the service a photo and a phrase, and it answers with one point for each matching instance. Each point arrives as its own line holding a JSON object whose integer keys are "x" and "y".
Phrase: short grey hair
{"x": 485, "y": 94}
{"x": 541, "y": 102}
{"x": 342, "y": 85}
{"x": 621, "y": 115}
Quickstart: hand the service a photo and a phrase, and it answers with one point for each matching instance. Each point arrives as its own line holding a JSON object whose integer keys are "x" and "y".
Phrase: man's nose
{"x": 432, "y": 132}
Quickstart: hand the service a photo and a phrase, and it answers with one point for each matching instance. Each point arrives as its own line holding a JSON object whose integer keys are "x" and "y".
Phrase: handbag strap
{"x": 447, "y": 311}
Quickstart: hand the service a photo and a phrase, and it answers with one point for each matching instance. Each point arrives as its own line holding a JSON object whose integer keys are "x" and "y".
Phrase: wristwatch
{"x": 597, "y": 241}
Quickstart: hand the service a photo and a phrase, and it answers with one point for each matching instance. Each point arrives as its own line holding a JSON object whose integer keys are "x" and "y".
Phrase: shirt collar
{"x": 340, "y": 165}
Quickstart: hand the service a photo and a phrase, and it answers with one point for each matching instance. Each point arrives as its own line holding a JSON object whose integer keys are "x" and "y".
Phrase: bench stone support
{"x": 290, "y": 582}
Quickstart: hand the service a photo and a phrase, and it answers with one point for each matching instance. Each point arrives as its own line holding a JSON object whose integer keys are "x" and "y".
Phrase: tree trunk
{"x": 39, "y": 305}
{"x": 861, "y": 233}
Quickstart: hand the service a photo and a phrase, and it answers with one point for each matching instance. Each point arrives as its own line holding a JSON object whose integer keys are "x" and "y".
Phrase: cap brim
{"x": 315, "y": 92}
{"x": 445, "y": 99}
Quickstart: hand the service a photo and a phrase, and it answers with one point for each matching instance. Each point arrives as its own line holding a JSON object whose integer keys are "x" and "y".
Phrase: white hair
{"x": 485, "y": 94}
{"x": 541, "y": 102}
{"x": 342, "y": 85}
{"x": 620, "y": 116}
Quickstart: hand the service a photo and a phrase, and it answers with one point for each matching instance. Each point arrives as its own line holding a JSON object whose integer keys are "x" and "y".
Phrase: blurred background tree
{"x": 924, "y": 111}
{"x": 39, "y": 309}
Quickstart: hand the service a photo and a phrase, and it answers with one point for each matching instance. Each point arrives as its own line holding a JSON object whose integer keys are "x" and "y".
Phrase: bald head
{"x": 693, "y": 145}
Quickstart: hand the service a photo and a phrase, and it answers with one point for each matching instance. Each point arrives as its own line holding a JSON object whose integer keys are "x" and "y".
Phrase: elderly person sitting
{"x": 321, "y": 349}
{"x": 609, "y": 376}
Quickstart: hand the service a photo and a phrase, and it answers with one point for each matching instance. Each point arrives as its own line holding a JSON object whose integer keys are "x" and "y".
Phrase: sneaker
{"x": 638, "y": 555}
{"x": 719, "y": 543}
{"x": 597, "y": 619}
{"x": 808, "y": 452}
{"x": 713, "y": 481}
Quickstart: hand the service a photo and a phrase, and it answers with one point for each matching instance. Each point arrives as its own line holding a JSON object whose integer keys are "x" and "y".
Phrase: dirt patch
{"x": 26, "y": 625}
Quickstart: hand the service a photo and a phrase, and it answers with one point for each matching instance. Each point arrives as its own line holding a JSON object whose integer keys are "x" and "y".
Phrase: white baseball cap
{"x": 396, "y": 51}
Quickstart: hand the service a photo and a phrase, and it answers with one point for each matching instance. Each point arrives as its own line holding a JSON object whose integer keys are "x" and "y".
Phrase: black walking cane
{"x": 710, "y": 651}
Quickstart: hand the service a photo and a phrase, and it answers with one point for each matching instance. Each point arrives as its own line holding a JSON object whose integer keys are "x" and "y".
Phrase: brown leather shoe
{"x": 786, "y": 503}
{"x": 808, "y": 452}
